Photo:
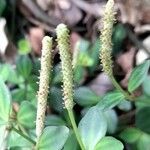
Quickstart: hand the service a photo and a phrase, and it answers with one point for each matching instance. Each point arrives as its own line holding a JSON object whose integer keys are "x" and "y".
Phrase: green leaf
{"x": 32, "y": 81}
{"x": 146, "y": 86}
{"x": 36, "y": 67}
{"x": 14, "y": 78}
{"x": 138, "y": 75}
{"x": 110, "y": 100}
{"x": 109, "y": 143}
{"x": 142, "y": 120}
{"x": 3, "y": 133}
{"x": 118, "y": 38}
{"x": 7, "y": 73}
{"x": 71, "y": 143}
{"x": 54, "y": 120}
{"x": 92, "y": 128}
{"x": 130, "y": 135}
{"x": 24, "y": 46}
{"x": 3, "y": 122}
{"x": 142, "y": 101}
{"x": 26, "y": 115}
{"x": 85, "y": 97}
{"x": 2, "y": 6}
{"x": 134, "y": 136}
{"x": 144, "y": 142}
{"x": 24, "y": 66}
{"x": 56, "y": 75}
{"x": 19, "y": 95}
{"x": 84, "y": 45}
{"x": 5, "y": 102}
{"x": 14, "y": 139}
{"x": 83, "y": 58}
{"x": 4, "y": 71}
{"x": 112, "y": 120}
{"x": 55, "y": 98}
{"x": 79, "y": 74}
{"x": 53, "y": 138}
{"x": 125, "y": 105}
{"x": 94, "y": 53}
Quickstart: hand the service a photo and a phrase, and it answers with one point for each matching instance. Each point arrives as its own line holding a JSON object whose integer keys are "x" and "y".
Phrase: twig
{"x": 41, "y": 24}
{"x": 93, "y": 9}
{"x": 118, "y": 87}
{"x": 39, "y": 13}
{"x": 23, "y": 135}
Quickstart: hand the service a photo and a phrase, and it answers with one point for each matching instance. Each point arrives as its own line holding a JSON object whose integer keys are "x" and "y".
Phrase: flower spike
{"x": 106, "y": 35}
{"x": 66, "y": 64}
{"x": 42, "y": 94}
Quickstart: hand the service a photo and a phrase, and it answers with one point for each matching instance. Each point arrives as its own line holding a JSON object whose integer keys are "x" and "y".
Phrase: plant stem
{"x": 23, "y": 135}
{"x": 71, "y": 116}
{"x": 115, "y": 83}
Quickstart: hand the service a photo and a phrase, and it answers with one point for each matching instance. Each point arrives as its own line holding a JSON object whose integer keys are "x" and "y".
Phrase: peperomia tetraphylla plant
{"x": 27, "y": 126}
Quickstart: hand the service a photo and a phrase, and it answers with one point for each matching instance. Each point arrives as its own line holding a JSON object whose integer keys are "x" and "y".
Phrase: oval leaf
{"x": 138, "y": 75}
{"x": 137, "y": 137}
{"x": 24, "y": 66}
{"x": 125, "y": 106}
{"x": 110, "y": 100}
{"x": 15, "y": 140}
{"x": 112, "y": 120}
{"x": 53, "y": 138}
{"x": 142, "y": 101}
{"x": 55, "y": 99}
{"x": 85, "y": 97}
{"x": 4, "y": 71}
{"x": 142, "y": 120}
{"x": 109, "y": 143}
{"x": 3, "y": 133}
{"x": 130, "y": 135}
{"x": 92, "y": 128}
{"x": 5, "y": 102}
{"x": 146, "y": 86}
{"x": 24, "y": 46}
{"x": 26, "y": 115}
{"x": 144, "y": 142}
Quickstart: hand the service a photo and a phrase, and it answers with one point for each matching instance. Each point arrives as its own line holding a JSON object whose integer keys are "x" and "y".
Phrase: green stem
{"x": 118, "y": 87}
{"x": 71, "y": 116}
{"x": 23, "y": 135}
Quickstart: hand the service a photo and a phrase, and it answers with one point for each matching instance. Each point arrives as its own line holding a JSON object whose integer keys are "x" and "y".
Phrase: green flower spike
{"x": 43, "y": 84}
{"x": 66, "y": 64}
{"x": 106, "y": 46}
{"x": 106, "y": 34}
{"x": 67, "y": 72}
